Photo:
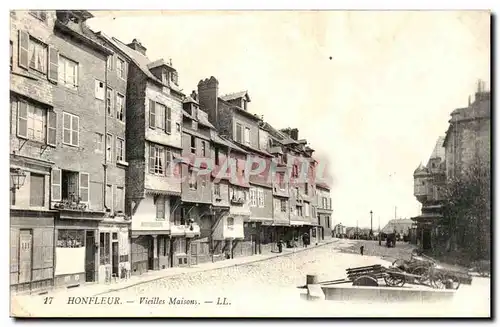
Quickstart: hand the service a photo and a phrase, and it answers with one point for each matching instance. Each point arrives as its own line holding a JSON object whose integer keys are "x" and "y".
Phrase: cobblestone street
{"x": 266, "y": 288}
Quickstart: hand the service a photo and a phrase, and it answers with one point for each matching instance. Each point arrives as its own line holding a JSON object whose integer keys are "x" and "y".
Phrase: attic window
{"x": 174, "y": 77}
{"x": 244, "y": 104}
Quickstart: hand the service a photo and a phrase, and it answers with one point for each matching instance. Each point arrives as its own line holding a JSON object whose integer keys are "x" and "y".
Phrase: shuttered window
{"x": 37, "y": 55}
{"x": 68, "y": 72}
{"x": 84, "y": 187}
{"x": 152, "y": 114}
{"x": 239, "y": 132}
{"x": 24, "y": 41}
{"x": 160, "y": 208}
{"x": 51, "y": 127}
{"x": 168, "y": 120}
{"x": 53, "y": 64}
{"x": 56, "y": 185}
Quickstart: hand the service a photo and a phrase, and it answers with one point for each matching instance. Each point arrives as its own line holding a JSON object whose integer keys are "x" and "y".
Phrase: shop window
{"x": 230, "y": 223}
{"x": 68, "y": 238}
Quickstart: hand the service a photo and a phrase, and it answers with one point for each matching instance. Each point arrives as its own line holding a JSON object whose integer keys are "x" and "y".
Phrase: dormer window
{"x": 244, "y": 104}
{"x": 74, "y": 19}
{"x": 164, "y": 78}
{"x": 174, "y": 77}
{"x": 194, "y": 111}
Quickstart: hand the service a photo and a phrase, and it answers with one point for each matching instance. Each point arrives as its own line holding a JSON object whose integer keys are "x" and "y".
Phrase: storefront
{"x": 114, "y": 250}
{"x": 76, "y": 251}
{"x": 31, "y": 250}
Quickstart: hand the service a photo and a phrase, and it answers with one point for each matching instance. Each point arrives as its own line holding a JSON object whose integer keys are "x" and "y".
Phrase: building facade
{"x": 467, "y": 142}
{"x": 153, "y": 194}
{"x": 324, "y": 214}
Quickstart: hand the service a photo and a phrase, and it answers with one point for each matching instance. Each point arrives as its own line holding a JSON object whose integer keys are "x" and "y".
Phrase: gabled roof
{"x": 236, "y": 95}
{"x": 421, "y": 170}
{"x": 222, "y": 141}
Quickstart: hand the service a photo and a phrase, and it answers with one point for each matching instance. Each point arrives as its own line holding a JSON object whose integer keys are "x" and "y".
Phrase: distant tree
{"x": 467, "y": 211}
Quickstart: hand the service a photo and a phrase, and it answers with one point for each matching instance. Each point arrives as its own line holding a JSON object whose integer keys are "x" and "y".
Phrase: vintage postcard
{"x": 250, "y": 163}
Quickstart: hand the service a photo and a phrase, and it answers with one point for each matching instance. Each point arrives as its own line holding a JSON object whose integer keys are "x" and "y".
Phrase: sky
{"x": 370, "y": 91}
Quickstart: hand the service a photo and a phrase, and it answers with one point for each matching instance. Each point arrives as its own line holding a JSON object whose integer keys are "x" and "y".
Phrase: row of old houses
{"x": 115, "y": 171}
{"x": 467, "y": 142}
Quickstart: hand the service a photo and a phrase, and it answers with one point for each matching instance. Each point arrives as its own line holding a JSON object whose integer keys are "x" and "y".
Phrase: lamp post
{"x": 371, "y": 223}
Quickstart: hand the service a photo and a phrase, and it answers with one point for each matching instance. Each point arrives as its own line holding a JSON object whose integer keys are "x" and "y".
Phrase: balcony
{"x": 189, "y": 231}
{"x": 237, "y": 201}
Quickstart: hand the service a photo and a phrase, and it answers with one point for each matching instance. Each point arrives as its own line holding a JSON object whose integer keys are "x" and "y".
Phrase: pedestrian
{"x": 305, "y": 239}
{"x": 361, "y": 249}
{"x": 280, "y": 246}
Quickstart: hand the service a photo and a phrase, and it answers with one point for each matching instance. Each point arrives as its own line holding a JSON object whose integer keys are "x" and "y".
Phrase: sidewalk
{"x": 93, "y": 289}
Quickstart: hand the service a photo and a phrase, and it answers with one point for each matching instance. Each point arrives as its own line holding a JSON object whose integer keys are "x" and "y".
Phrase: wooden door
{"x": 90, "y": 256}
{"x": 25, "y": 255}
{"x": 194, "y": 253}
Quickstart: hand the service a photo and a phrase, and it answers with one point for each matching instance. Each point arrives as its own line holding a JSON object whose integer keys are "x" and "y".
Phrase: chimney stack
{"x": 137, "y": 46}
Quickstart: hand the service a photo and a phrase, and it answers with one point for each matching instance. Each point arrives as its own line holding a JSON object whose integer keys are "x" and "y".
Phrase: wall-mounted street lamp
{"x": 17, "y": 177}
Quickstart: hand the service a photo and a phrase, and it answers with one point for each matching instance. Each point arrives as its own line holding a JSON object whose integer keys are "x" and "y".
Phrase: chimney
{"x": 208, "y": 98}
{"x": 294, "y": 134}
{"x": 137, "y": 46}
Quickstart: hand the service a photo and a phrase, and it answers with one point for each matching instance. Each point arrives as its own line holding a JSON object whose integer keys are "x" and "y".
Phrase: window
{"x": 299, "y": 211}
{"x": 160, "y": 116}
{"x": 194, "y": 124}
{"x": 178, "y": 127}
{"x": 31, "y": 122}
{"x": 193, "y": 183}
{"x": 156, "y": 160}
{"x": 160, "y": 208}
{"x": 281, "y": 181}
{"x": 168, "y": 120}
{"x": 109, "y": 102}
{"x": 120, "y": 199}
{"x": 70, "y": 238}
{"x": 306, "y": 188}
{"x": 217, "y": 189}
{"x": 71, "y": 125}
{"x": 238, "y": 133}
{"x": 203, "y": 149}
{"x": 68, "y": 72}
{"x": 193, "y": 144}
{"x": 253, "y": 197}
{"x": 230, "y": 223}
{"x": 120, "y": 149}
{"x": 120, "y": 68}
{"x": 283, "y": 205}
{"x": 306, "y": 209}
{"x": 109, "y": 63}
{"x": 84, "y": 187}
{"x": 174, "y": 77}
{"x": 260, "y": 194}
{"x": 295, "y": 171}
{"x": 38, "y": 55}
{"x": 99, "y": 89}
{"x": 120, "y": 107}
{"x": 247, "y": 135}
{"x": 37, "y": 190}
{"x": 40, "y": 14}
{"x": 328, "y": 222}
{"x": 109, "y": 148}
{"x": 104, "y": 248}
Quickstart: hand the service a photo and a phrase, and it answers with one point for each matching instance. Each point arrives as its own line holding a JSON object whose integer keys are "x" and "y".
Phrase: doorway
{"x": 90, "y": 256}
{"x": 151, "y": 250}
{"x": 114, "y": 259}
{"x": 426, "y": 239}
{"x": 25, "y": 255}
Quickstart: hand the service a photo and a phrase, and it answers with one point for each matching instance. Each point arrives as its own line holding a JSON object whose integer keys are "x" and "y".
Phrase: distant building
{"x": 400, "y": 226}
{"x": 467, "y": 141}
{"x": 339, "y": 230}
